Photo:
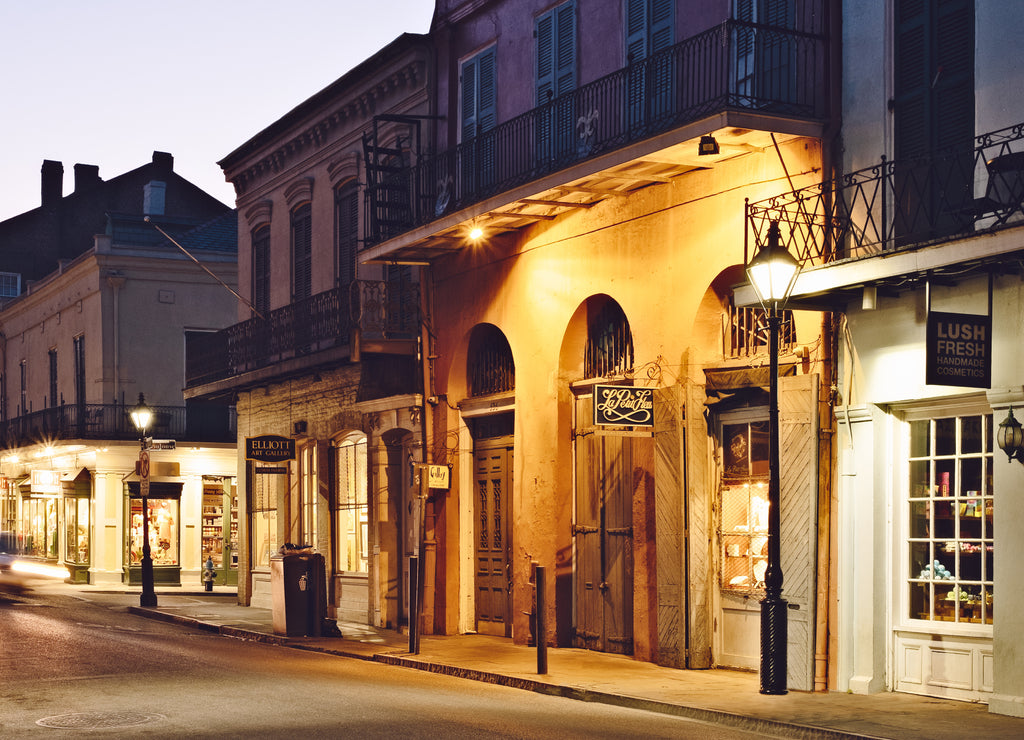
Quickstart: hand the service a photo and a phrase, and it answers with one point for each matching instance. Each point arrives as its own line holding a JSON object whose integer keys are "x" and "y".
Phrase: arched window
{"x": 609, "y": 342}
{"x": 490, "y": 366}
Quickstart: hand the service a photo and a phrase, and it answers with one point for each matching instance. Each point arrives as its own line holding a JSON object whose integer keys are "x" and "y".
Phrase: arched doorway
{"x": 604, "y": 492}
{"x": 490, "y": 372}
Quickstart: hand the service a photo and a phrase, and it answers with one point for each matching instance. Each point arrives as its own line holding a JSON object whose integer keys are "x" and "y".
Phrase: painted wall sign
{"x": 269, "y": 448}
{"x": 623, "y": 405}
{"x": 959, "y": 350}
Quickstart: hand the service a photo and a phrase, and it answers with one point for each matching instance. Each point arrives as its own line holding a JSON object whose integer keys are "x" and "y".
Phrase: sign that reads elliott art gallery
{"x": 959, "y": 350}
{"x": 623, "y": 405}
{"x": 269, "y": 448}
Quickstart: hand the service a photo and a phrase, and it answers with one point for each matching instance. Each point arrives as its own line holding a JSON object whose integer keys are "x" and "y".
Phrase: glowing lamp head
{"x": 773, "y": 270}
{"x": 141, "y": 415}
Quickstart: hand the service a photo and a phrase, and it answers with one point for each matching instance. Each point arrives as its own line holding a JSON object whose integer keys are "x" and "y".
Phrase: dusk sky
{"x": 107, "y": 82}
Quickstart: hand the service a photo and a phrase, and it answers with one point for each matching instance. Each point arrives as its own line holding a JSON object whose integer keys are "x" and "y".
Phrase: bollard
{"x": 542, "y": 623}
{"x": 414, "y": 605}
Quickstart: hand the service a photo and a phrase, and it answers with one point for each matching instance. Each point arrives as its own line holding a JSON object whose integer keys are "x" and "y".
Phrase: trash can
{"x": 298, "y": 594}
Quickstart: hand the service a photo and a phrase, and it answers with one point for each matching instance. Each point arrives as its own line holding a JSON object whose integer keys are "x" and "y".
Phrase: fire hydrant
{"x": 208, "y": 574}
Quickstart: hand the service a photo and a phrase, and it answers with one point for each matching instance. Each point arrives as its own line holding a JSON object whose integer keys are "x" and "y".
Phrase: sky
{"x": 108, "y": 82}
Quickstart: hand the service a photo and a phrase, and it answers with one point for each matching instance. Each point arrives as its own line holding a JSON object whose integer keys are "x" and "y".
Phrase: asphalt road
{"x": 81, "y": 666}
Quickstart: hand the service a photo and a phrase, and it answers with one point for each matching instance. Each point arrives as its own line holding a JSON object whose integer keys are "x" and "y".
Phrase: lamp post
{"x": 772, "y": 273}
{"x": 142, "y": 415}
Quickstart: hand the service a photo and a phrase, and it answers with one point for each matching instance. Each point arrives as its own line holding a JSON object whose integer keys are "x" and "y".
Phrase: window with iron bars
{"x": 609, "y": 348}
{"x": 491, "y": 368}
{"x": 745, "y": 331}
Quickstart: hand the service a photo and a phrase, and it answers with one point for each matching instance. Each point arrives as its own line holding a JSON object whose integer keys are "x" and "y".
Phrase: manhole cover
{"x": 90, "y": 720}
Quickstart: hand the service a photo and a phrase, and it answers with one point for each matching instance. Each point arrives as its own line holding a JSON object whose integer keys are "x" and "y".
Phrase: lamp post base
{"x": 774, "y": 638}
{"x": 148, "y": 597}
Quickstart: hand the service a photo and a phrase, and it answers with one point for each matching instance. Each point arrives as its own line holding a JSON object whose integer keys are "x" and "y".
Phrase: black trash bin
{"x": 298, "y": 594}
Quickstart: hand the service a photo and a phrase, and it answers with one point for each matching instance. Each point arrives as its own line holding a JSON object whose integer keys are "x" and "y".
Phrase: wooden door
{"x": 603, "y": 537}
{"x": 493, "y": 489}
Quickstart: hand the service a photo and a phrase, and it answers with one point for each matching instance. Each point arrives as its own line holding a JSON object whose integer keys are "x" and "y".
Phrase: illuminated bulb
{"x": 475, "y": 233}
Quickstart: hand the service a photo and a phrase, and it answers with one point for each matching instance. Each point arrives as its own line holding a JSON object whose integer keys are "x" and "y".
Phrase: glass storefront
{"x": 220, "y": 530}
{"x": 76, "y": 534}
{"x": 744, "y": 506}
{"x": 39, "y": 525}
{"x": 164, "y": 531}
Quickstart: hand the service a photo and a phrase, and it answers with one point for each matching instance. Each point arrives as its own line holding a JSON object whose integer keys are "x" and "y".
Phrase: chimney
{"x": 86, "y": 176}
{"x": 164, "y": 162}
{"x": 153, "y": 193}
{"x": 52, "y": 182}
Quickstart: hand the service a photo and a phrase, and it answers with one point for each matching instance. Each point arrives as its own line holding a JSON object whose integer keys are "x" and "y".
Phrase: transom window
{"x": 950, "y": 535}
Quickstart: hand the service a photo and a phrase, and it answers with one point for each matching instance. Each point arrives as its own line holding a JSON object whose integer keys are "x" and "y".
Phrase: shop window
{"x": 744, "y": 506}
{"x": 264, "y": 519}
{"x": 39, "y": 520}
{"x": 220, "y": 527}
{"x": 949, "y": 514}
{"x": 163, "y": 531}
{"x": 351, "y": 514}
{"x": 76, "y": 525}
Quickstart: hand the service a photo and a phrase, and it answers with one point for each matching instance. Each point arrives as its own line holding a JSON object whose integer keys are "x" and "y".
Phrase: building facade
{"x": 580, "y": 222}
{"x": 917, "y": 251}
{"x": 325, "y": 353}
{"x": 81, "y": 343}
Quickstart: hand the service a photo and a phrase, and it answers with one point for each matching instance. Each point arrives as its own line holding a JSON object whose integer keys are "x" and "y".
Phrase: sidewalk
{"x": 722, "y": 696}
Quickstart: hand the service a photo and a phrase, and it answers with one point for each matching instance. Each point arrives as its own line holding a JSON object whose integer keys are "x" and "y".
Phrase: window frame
{"x": 902, "y": 566}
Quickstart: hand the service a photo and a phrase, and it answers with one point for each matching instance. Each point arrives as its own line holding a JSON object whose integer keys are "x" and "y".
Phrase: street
{"x": 79, "y": 663}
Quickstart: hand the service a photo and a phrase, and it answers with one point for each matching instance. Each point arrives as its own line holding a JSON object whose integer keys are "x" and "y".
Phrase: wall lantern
{"x": 1010, "y": 437}
{"x": 708, "y": 145}
{"x": 141, "y": 415}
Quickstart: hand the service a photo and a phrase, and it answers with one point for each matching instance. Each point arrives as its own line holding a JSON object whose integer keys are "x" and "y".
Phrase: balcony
{"x": 897, "y": 207}
{"x": 378, "y": 314}
{"x": 194, "y": 423}
{"x": 774, "y": 77}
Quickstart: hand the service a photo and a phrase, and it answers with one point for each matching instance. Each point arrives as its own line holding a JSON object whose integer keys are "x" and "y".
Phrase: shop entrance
{"x": 602, "y": 536}
{"x": 492, "y": 477}
{"x": 220, "y": 530}
{"x": 164, "y": 510}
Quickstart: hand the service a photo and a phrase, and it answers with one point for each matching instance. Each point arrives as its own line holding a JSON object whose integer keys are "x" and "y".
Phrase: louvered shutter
{"x": 261, "y": 269}
{"x": 798, "y": 515}
{"x": 302, "y": 274}
{"x": 347, "y": 208}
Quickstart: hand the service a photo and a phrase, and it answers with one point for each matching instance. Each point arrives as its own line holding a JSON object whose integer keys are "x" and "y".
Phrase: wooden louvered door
{"x": 493, "y": 490}
{"x": 602, "y": 537}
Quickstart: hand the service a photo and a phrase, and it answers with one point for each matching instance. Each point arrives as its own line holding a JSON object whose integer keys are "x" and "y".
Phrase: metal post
{"x": 541, "y": 621}
{"x": 774, "y": 616}
{"x": 414, "y": 605}
{"x": 148, "y": 596}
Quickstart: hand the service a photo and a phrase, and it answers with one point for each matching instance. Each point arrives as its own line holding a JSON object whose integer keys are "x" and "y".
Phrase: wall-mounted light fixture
{"x": 1010, "y": 437}
{"x": 708, "y": 145}
{"x": 475, "y": 232}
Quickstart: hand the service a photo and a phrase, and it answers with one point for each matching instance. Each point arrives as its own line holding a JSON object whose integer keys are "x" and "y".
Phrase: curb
{"x": 770, "y": 727}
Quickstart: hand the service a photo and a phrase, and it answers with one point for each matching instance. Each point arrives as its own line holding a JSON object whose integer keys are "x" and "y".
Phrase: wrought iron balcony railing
{"x": 734, "y": 66}
{"x": 378, "y": 309}
{"x": 902, "y": 204}
{"x": 193, "y": 423}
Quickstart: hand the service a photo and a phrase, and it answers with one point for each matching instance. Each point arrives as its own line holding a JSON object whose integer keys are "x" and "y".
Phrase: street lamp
{"x": 772, "y": 273}
{"x": 142, "y": 415}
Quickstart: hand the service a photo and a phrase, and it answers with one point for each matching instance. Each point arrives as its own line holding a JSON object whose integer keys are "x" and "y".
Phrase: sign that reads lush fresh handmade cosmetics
{"x": 959, "y": 350}
{"x": 623, "y": 405}
{"x": 269, "y": 448}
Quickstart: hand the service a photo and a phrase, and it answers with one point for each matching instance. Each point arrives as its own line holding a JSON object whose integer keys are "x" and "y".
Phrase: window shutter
{"x": 636, "y": 30}
{"x": 662, "y": 24}
{"x": 798, "y": 512}
{"x": 486, "y": 91}
{"x": 347, "y": 205}
{"x": 302, "y": 274}
{"x": 261, "y": 269}
{"x": 545, "y": 34}
{"x": 469, "y": 73}
{"x": 565, "y": 48}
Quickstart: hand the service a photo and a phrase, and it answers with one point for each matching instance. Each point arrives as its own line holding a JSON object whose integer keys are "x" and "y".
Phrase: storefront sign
{"x": 272, "y": 470}
{"x": 438, "y": 476}
{"x": 959, "y": 350}
{"x": 45, "y": 481}
{"x": 623, "y": 405}
{"x": 269, "y": 448}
